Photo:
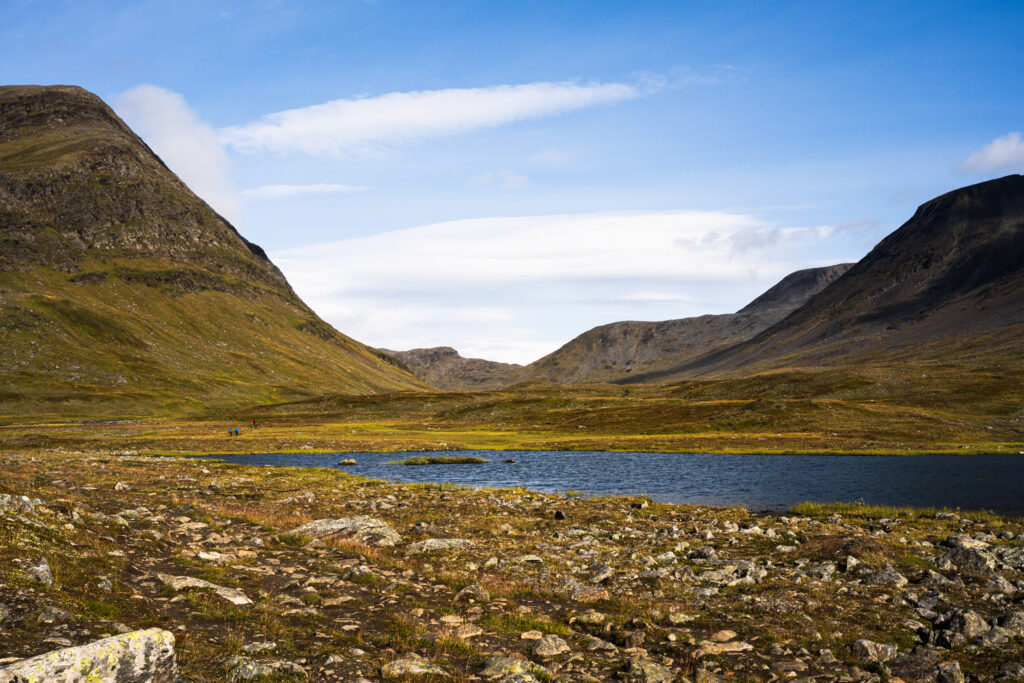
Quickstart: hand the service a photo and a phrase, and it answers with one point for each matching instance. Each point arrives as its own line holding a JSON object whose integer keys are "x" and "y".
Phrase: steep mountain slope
{"x": 122, "y": 292}
{"x": 947, "y": 285}
{"x": 617, "y": 351}
{"x": 444, "y": 368}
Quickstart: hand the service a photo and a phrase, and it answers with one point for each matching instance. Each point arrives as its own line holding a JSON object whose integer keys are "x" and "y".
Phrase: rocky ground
{"x": 311, "y": 574}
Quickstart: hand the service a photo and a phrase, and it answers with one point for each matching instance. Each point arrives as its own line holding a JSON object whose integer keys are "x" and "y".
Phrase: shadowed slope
{"x": 444, "y": 368}
{"x": 947, "y": 285}
{"x": 123, "y": 292}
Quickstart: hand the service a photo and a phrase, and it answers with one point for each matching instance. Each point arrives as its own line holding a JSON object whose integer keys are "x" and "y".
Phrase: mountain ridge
{"x": 121, "y": 290}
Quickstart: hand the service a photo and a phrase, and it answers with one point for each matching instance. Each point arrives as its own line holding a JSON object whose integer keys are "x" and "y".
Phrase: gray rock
{"x": 887, "y": 576}
{"x": 1012, "y": 556}
{"x": 369, "y": 530}
{"x": 232, "y": 595}
{"x": 41, "y": 572}
{"x": 499, "y": 667}
{"x": 53, "y": 615}
{"x": 136, "y": 657}
{"x": 411, "y": 665}
{"x": 550, "y": 646}
{"x": 648, "y": 671}
{"x": 5, "y": 612}
{"x": 601, "y": 572}
{"x": 435, "y": 544}
{"x": 948, "y": 672}
{"x": 1011, "y": 671}
{"x": 821, "y": 572}
{"x": 473, "y": 591}
{"x": 957, "y": 626}
{"x": 965, "y": 542}
{"x": 967, "y": 560}
{"x": 871, "y": 651}
{"x": 253, "y": 648}
{"x": 1014, "y": 622}
{"x": 17, "y": 504}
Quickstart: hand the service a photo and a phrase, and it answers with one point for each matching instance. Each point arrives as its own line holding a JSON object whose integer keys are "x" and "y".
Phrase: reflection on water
{"x": 760, "y": 482}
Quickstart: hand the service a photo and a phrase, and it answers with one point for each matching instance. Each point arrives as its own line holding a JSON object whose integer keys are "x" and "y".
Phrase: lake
{"x": 758, "y": 482}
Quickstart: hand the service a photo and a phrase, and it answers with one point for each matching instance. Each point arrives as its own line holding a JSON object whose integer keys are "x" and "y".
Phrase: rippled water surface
{"x": 760, "y": 482}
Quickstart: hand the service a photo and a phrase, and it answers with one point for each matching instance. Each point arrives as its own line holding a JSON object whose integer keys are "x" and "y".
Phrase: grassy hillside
{"x": 122, "y": 293}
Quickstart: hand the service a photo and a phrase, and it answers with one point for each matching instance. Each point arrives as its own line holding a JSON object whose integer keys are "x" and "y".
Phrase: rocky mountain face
{"x": 122, "y": 290}
{"x": 444, "y": 368}
{"x": 948, "y": 284}
{"x": 615, "y": 352}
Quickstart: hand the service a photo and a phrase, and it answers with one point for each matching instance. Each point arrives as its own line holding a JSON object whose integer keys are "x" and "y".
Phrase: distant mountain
{"x": 614, "y": 352}
{"x": 947, "y": 285}
{"x": 444, "y": 368}
{"x": 618, "y": 351}
{"x": 121, "y": 290}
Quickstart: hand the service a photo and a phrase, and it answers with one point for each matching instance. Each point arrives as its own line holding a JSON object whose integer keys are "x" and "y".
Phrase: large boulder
{"x": 136, "y": 657}
{"x": 368, "y": 530}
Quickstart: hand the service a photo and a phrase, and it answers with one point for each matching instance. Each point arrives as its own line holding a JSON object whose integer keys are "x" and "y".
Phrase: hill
{"x": 444, "y": 368}
{"x": 615, "y": 352}
{"x": 947, "y": 286}
{"x": 122, "y": 292}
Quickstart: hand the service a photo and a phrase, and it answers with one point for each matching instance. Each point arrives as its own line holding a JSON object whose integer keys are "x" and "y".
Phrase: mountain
{"x": 123, "y": 292}
{"x": 948, "y": 285}
{"x": 444, "y": 368}
{"x": 617, "y": 351}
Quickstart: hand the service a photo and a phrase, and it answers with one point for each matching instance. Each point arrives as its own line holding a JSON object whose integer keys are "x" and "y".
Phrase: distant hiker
{"x": 254, "y": 424}
{"x": 236, "y": 431}
{"x": 231, "y": 432}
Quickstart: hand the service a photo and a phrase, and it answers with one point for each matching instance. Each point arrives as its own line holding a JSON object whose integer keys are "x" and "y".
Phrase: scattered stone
{"x": 948, "y": 672}
{"x": 348, "y": 461}
{"x": 559, "y": 515}
{"x": 473, "y": 591}
{"x": 136, "y": 657}
{"x": 255, "y": 648}
{"x": 887, "y": 576}
{"x": 723, "y": 636}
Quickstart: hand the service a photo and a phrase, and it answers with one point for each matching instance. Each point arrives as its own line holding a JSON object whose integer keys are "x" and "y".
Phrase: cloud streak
{"x": 277, "y": 191}
{"x": 1002, "y": 154}
{"x": 187, "y": 145}
{"x": 358, "y": 125}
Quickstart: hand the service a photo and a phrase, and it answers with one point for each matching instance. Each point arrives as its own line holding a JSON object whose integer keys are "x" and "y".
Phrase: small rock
{"x": 948, "y": 672}
{"x": 411, "y": 665}
{"x": 871, "y": 651}
{"x": 41, "y": 572}
{"x": 648, "y": 671}
{"x": 550, "y": 646}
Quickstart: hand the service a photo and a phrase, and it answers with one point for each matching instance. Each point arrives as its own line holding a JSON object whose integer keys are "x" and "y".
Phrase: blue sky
{"x": 501, "y": 176}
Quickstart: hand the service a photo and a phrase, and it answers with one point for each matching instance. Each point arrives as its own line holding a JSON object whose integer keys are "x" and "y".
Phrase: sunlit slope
{"x": 123, "y": 293}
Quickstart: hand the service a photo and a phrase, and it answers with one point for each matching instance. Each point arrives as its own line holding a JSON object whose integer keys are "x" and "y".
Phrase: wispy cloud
{"x": 521, "y": 286}
{"x": 1002, "y": 154}
{"x": 554, "y": 157}
{"x": 356, "y": 125}
{"x": 506, "y": 178}
{"x": 276, "y": 191}
{"x": 187, "y": 145}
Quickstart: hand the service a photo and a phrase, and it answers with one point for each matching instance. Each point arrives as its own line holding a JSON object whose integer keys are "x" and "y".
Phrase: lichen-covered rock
{"x": 473, "y": 591}
{"x": 550, "y": 646}
{"x": 368, "y": 530}
{"x": 17, "y": 504}
{"x": 435, "y": 544}
{"x": 411, "y": 665}
{"x": 232, "y": 595}
{"x": 967, "y": 560}
{"x": 648, "y": 671}
{"x": 871, "y": 651}
{"x": 136, "y": 657}
{"x": 41, "y": 572}
{"x": 500, "y": 667}
{"x": 239, "y": 668}
{"x": 948, "y": 672}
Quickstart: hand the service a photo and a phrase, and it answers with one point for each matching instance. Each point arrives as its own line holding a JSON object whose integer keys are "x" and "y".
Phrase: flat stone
{"x": 871, "y": 651}
{"x": 369, "y": 530}
{"x": 136, "y": 657}
{"x": 435, "y": 544}
{"x": 723, "y": 636}
{"x": 232, "y": 595}
{"x": 473, "y": 591}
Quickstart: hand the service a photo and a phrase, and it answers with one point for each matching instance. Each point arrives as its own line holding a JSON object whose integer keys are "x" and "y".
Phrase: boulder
{"x": 411, "y": 665}
{"x": 232, "y": 595}
{"x": 871, "y": 651}
{"x": 136, "y": 657}
{"x": 368, "y": 530}
{"x": 648, "y": 671}
{"x": 550, "y": 646}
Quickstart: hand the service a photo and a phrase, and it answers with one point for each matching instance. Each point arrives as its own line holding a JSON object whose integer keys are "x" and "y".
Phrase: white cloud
{"x": 186, "y": 144}
{"x": 356, "y": 125}
{"x": 521, "y": 286}
{"x": 276, "y": 191}
{"x": 554, "y": 157}
{"x": 506, "y": 178}
{"x": 1002, "y": 154}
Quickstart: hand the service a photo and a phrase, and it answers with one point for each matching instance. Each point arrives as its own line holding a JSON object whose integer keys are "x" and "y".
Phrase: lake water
{"x": 759, "y": 482}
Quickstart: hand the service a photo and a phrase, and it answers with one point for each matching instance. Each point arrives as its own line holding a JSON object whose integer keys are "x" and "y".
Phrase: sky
{"x": 502, "y": 176}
